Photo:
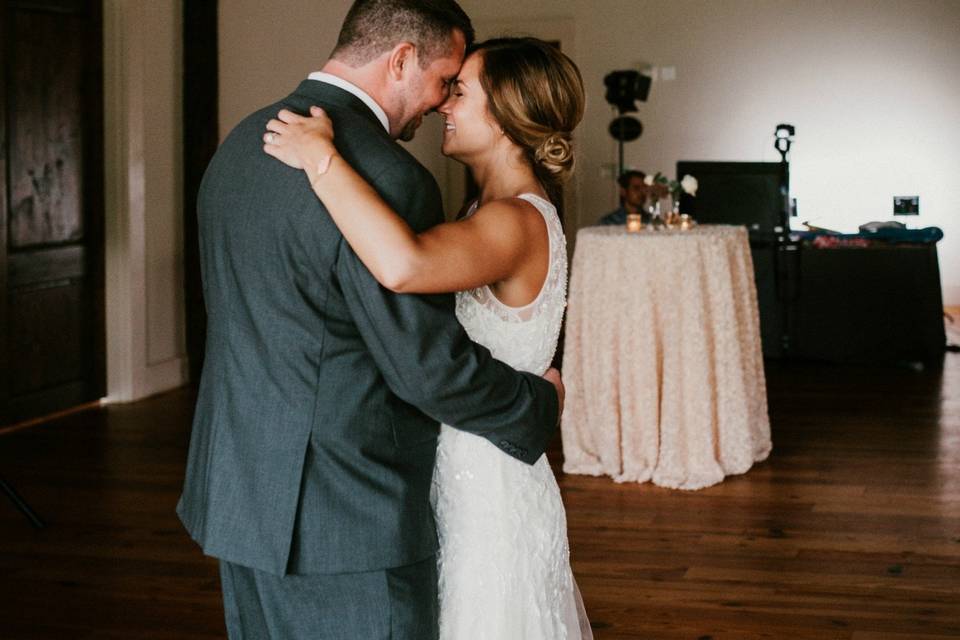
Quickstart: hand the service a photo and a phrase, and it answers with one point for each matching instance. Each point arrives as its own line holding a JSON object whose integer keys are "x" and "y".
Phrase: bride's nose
{"x": 444, "y": 107}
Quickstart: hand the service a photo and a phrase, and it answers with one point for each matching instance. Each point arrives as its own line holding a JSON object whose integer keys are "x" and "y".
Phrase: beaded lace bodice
{"x": 523, "y": 337}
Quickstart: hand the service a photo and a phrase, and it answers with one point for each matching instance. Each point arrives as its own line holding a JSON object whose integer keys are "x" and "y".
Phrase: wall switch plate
{"x": 906, "y": 205}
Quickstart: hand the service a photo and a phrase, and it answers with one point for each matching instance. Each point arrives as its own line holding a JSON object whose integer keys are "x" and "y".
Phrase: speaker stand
{"x": 21, "y": 504}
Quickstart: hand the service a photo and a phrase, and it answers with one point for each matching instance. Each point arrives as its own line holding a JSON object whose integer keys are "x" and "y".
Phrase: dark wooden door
{"x": 51, "y": 237}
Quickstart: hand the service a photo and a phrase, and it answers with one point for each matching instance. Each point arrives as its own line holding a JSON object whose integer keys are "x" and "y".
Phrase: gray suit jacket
{"x": 315, "y": 430}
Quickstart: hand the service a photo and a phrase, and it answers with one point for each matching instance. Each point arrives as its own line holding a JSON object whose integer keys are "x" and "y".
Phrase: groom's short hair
{"x": 373, "y": 27}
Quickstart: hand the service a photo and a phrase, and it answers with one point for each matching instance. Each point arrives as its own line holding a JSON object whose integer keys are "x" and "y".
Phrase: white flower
{"x": 689, "y": 184}
{"x": 648, "y": 181}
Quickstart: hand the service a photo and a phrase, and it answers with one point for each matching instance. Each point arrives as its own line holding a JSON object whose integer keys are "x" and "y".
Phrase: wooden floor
{"x": 851, "y": 530}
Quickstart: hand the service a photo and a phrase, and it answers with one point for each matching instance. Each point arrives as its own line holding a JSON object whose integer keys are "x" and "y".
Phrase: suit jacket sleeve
{"x": 425, "y": 355}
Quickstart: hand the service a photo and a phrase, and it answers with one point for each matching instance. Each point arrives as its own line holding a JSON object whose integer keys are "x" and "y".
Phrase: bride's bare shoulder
{"x": 509, "y": 231}
{"x": 516, "y": 215}
{"x": 515, "y": 207}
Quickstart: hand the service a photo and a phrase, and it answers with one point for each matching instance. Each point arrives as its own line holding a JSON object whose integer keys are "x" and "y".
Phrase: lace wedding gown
{"x": 504, "y": 559}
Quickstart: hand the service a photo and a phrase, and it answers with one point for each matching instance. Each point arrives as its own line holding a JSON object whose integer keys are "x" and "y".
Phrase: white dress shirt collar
{"x": 348, "y": 86}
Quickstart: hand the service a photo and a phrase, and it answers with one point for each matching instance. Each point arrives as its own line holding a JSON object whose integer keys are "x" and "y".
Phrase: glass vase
{"x": 673, "y": 218}
{"x": 655, "y": 214}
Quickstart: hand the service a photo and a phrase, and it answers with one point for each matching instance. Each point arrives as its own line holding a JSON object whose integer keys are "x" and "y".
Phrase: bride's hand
{"x": 553, "y": 375}
{"x": 300, "y": 141}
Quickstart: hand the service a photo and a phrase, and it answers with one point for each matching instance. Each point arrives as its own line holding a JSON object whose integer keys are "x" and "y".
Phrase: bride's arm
{"x": 482, "y": 249}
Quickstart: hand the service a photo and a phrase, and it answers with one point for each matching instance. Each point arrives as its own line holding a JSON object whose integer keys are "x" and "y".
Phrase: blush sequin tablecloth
{"x": 662, "y": 358}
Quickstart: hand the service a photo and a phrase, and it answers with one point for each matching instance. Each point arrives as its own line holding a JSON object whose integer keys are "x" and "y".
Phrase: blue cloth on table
{"x": 927, "y": 235}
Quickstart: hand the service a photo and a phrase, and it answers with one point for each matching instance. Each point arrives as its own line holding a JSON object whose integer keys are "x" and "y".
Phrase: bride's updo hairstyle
{"x": 535, "y": 93}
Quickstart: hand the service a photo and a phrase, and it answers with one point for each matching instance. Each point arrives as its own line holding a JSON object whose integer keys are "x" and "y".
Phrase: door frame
{"x": 201, "y": 133}
{"x": 4, "y": 45}
{"x": 94, "y": 201}
{"x": 139, "y": 186}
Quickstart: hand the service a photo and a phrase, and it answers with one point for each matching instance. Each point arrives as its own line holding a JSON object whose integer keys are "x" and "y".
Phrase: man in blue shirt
{"x": 633, "y": 192}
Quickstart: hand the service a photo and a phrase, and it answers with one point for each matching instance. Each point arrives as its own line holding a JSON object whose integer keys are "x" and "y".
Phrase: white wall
{"x": 872, "y": 86}
{"x": 144, "y": 195}
{"x": 267, "y": 48}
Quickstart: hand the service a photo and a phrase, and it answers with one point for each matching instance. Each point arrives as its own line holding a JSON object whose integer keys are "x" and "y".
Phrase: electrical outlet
{"x": 906, "y": 205}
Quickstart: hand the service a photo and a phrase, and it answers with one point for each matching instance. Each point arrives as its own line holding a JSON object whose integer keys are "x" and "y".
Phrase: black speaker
{"x": 870, "y": 304}
{"x": 741, "y": 193}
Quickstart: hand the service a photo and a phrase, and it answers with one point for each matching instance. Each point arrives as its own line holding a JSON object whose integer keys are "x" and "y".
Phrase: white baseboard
{"x": 152, "y": 380}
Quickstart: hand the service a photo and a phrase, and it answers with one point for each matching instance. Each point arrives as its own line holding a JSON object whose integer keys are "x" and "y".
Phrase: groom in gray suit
{"x": 316, "y": 424}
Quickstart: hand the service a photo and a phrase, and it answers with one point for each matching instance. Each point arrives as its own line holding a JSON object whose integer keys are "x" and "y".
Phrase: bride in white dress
{"x": 504, "y": 562}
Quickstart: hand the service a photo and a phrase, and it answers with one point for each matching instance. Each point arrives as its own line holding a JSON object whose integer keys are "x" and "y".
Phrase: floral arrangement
{"x": 662, "y": 186}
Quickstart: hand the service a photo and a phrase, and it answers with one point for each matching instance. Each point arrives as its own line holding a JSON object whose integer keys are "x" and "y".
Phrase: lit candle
{"x": 633, "y": 222}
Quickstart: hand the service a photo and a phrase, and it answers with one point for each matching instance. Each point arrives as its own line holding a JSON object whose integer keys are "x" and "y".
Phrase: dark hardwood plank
{"x": 851, "y": 530}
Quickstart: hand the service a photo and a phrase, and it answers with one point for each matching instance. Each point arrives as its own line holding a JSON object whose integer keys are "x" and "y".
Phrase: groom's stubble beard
{"x": 409, "y": 130}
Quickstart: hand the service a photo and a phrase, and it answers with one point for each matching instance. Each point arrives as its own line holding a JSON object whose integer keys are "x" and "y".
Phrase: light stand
{"x": 782, "y": 142}
{"x": 624, "y": 129}
{"x": 623, "y": 89}
{"x": 786, "y": 250}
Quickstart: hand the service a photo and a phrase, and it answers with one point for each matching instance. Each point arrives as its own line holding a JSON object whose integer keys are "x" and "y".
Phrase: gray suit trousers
{"x": 389, "y": 604}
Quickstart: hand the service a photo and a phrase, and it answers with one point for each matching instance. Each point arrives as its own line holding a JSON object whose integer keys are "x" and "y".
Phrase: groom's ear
{"x": 401, "y": 58}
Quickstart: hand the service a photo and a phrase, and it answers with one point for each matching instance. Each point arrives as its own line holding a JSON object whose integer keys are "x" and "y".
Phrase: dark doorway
{"x": 52, "y": 342}
{"x": 200, "y": 137}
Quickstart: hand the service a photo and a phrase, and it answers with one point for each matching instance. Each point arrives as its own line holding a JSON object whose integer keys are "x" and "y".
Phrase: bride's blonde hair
{"x": 535, "y": 93}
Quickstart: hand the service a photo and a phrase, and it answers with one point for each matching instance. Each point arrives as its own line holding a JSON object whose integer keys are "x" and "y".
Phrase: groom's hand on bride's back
{"x": 553, "y": 375}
